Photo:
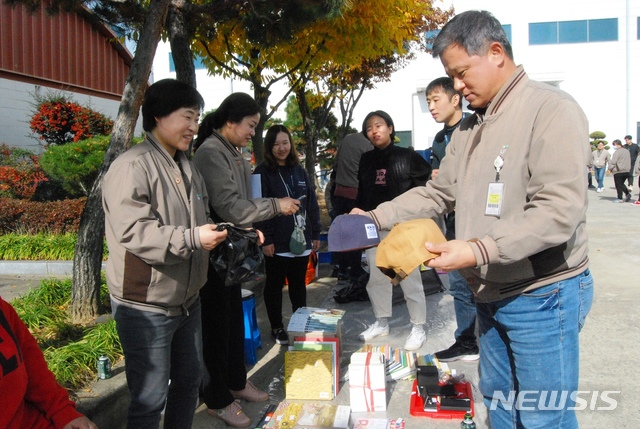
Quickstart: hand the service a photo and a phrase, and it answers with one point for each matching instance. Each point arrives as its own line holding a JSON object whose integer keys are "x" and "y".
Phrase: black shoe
{"x": 281, "y": 336}
{"x": 340, "y": 274}
{"x": 592, "y": 187}
{"x": 343, "y": 276}
{"x": 458, "y": 352}
{"x": 628, "y": 198}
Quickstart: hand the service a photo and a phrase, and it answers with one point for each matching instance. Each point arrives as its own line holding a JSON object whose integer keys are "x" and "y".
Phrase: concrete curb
{"x": 106, "y": 402}
{"x": 37, "y": 268}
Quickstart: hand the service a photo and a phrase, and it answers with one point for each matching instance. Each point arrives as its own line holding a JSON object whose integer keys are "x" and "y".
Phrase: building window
{"x": 603, "y": 30}
{"x": 198, "y": 63}
{"x": 430, "y": 37}
{"x": 591, "y": 30}
{"x": 573, "y": 32}
{"x": 405, "y": 138}
{"x": 507, "y": 30}
{"x": 543, "y": 33}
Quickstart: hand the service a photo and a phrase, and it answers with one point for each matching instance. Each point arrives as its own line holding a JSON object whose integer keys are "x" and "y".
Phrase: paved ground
{"x": 608, "y": 342}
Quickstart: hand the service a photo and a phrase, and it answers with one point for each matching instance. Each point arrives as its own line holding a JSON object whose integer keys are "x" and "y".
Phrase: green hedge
{"x": 49, "y": 247}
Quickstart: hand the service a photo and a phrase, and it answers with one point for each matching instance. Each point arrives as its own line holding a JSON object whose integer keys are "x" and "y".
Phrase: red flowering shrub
{"x": 32, "y": 217}
{"x": 20, "y": 173}
{"x": 59, "y": 121}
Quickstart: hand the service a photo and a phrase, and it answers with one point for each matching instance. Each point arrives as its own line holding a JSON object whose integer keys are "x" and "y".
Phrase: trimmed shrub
{"x": 76, "y": 165}
{"x": 32, "y": 217}
{"x": 58, "y": 120}
{"x": 598, "y": 137}
{"x": 20, "y": 172}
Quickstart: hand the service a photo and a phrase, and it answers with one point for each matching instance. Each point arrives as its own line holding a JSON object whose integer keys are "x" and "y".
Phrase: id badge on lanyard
{"x": 495, "y": 192}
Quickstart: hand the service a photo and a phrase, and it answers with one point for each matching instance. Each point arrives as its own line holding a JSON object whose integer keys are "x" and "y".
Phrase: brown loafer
{"x": 250, "y": 393}
{"x": 232, "y": 415}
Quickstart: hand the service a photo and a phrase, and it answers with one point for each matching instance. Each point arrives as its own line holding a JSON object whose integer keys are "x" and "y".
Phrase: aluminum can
{"x": 468, "y": 422}
{"x": 104, "y": 367}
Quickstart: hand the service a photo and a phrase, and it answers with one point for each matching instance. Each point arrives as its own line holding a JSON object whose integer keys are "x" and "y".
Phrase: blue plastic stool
{"x": 252, "y": 341}
{"x": 324, "y": 257}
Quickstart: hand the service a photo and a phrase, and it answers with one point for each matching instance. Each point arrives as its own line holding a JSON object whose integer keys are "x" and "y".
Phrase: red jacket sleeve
{"x": 31, "y": 395}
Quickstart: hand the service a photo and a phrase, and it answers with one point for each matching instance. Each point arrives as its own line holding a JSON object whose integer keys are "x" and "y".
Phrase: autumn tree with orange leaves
{"x": 335, "y": 58}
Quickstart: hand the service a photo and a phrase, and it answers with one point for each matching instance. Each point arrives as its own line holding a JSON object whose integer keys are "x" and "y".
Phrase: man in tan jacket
{"x": 514, "y": 173}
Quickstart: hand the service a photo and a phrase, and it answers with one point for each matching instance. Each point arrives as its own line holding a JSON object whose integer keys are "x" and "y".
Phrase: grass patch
{"x": 35, "y": 247}
{"x": 71, "y": 351}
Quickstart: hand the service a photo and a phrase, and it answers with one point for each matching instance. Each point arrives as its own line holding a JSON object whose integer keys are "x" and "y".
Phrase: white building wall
{"x": 602, "y": 77}
{"x": 213, "y": 89}
{"x": 18, "y": 105}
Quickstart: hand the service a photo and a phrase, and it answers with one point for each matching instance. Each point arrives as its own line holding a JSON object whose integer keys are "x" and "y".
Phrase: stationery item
{"x": 309, "y": 415}
{"x": 312, "y": 342}
{"x": 308, "y": 374}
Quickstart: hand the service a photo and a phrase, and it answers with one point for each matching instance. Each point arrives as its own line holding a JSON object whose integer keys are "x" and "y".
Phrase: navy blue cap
{"x": 352, "y": 232}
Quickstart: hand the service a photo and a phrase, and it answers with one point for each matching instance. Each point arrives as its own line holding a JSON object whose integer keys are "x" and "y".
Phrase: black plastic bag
{"x": 238, "y": 259}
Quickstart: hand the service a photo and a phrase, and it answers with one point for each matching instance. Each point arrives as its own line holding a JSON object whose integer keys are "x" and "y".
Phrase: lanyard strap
{"x": 286, "y": 187}
{"x": 297, "y": 221}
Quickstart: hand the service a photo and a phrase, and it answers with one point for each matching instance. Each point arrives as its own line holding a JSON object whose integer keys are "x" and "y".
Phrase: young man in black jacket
{"x": 445, "y": 106}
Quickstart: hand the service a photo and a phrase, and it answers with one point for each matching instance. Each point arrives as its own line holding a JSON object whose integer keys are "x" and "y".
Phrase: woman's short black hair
{"x": 234, "y": 108}
{"x": 270, "y": 140}
{"x": 385, "y": 116}
{"x": 165, "y": 97}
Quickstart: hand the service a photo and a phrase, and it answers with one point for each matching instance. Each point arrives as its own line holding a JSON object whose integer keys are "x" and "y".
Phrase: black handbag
{"x": 238, "y": 259}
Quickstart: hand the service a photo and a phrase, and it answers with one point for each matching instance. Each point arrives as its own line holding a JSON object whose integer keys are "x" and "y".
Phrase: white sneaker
{"x": 599, "y": 190}
{"x": 415, "y": 340}
{"x": 374, "y": 331}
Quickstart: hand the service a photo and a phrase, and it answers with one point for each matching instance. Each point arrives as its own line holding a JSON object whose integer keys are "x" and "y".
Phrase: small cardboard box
{"x": 367, "y": 382}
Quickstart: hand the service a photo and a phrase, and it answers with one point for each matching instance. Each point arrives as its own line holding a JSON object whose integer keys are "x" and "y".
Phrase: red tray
{"x": 416, "y": 406}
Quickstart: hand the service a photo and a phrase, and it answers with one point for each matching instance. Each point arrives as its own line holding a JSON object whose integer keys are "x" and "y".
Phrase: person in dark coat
{"x": 282, "y": 176}
{"x": 384, "y": 173}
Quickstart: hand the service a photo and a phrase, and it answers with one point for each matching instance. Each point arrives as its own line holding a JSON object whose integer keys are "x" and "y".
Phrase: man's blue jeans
{"x": 599, "y": 176}
{"x": 529, "y": 353}
{"x": 465, "y": 308}
{"x": 159, "y": 349}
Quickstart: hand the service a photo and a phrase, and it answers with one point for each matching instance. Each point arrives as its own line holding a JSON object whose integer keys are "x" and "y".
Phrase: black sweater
{"x": 278, "y": 230}
{"x": 386, "y": 173}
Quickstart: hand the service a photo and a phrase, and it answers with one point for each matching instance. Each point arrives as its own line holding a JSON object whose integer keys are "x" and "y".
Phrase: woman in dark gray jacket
{"x": 227, "y": 177}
